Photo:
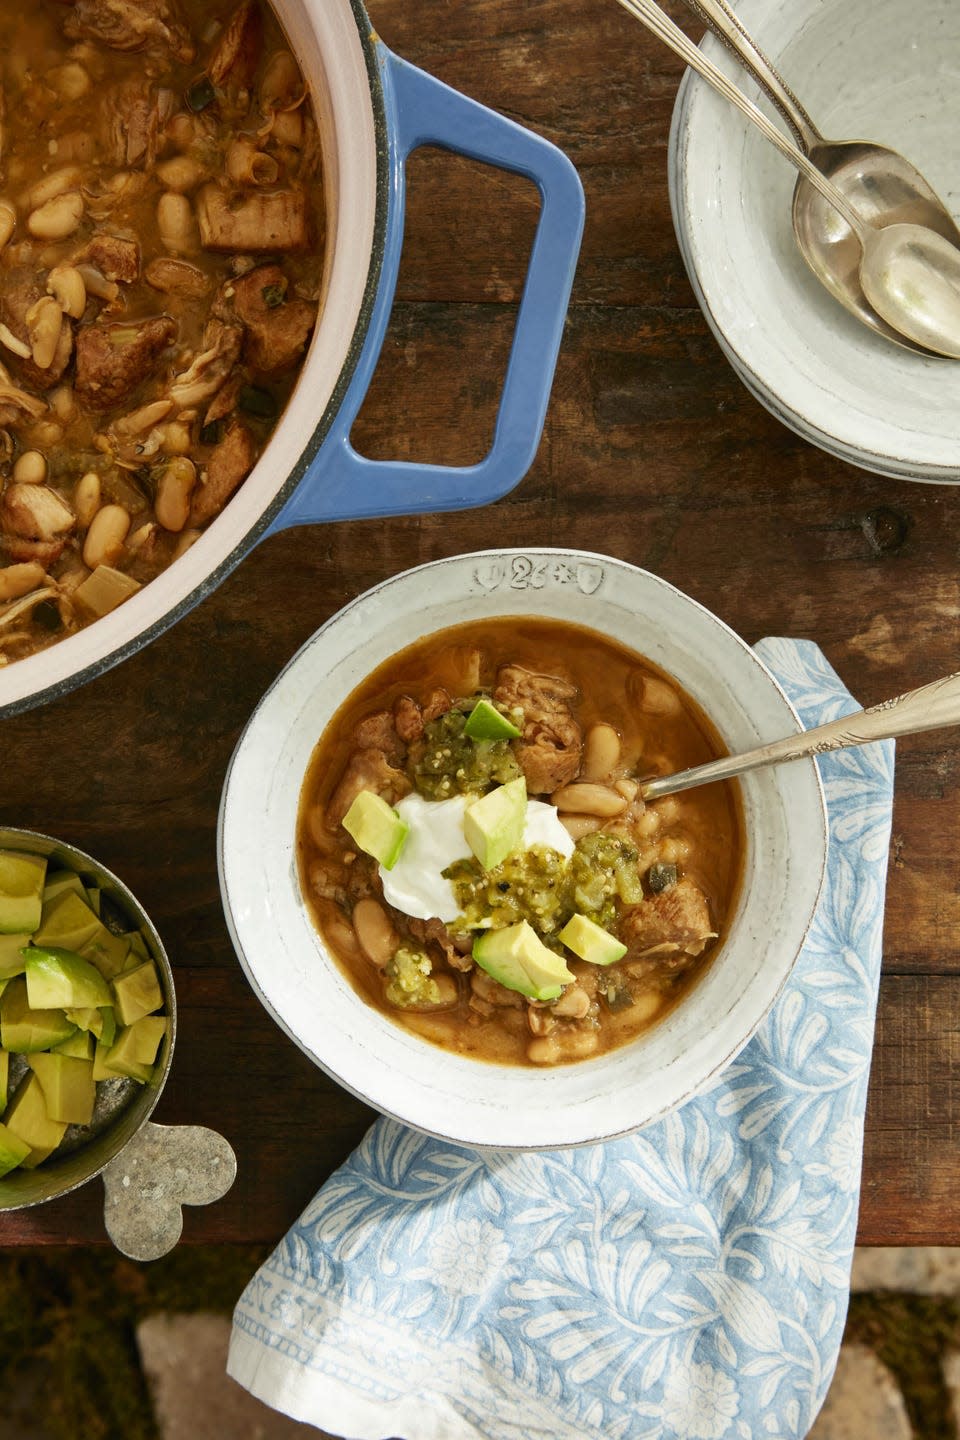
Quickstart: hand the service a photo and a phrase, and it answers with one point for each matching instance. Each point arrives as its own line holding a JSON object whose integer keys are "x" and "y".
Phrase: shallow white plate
{"x": 880, "y": 70}
{"x": 395, "y": 1071}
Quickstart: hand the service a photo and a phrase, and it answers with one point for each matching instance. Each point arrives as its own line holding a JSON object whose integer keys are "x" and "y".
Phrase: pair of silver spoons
{"x": 907, "y": 283}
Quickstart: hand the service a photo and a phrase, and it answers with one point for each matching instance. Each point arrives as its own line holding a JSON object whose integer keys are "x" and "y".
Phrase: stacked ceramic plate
{"x": 877, "y": 70}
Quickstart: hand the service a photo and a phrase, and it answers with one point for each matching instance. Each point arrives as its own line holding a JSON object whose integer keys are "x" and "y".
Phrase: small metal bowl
{"x": 141, "y": 1213}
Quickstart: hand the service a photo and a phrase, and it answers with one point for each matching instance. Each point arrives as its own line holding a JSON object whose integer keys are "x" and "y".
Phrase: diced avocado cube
{"x": 21, "y": 891}
{"x": 108, "y": 1025}
{"x": 86, "y": 1017}
{"x": 142, "y": 1038}
{"x": 60, "y": 881}
{"x": 67, "y": 923}
{"x": 138, "y": 945}
{"x": 11, "y": 961}
{"x": 102, "y": 1070}
{"x": 376, "y": 827}
{"x": 27, "y": 1118}
{"x": 136, "y": 992}
{"x": 4, "y": 1078}
{"x": 13, "y": 1150}
{"x": 103, "y": 591}
{"x": 68, "y": 1086}
{"x": 107, "y": 951}
{"x": 122, "y": 1055}
{"x": 518, "y": 959}
{"x": 81, "y": 1045}
{"x": 590, "y": 941}
{"x": 23, "y": 1029}
{"x": 494, "y": 824}
{"x": 93, "y": 899}
{"x": 59, "y": 978}
{"x": 485, "y": 722}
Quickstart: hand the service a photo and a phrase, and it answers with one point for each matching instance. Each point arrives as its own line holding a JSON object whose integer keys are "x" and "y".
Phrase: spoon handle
{"x": 931, "y": 707}
{"x": 660, "y": 24}
{"x": 726, "y": 25}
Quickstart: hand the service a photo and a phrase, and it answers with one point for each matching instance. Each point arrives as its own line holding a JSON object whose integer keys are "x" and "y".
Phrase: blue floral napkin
{"x": 688, "y": 1282}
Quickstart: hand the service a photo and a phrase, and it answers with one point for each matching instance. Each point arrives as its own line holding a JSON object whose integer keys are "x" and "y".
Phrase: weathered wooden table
{"x": 653, "y": 452}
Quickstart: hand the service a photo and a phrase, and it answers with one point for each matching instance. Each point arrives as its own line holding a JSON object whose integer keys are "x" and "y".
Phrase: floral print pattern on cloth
{"x": 688, "y": 1282}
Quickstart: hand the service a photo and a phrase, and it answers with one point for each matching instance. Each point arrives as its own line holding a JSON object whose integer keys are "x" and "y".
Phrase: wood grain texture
{"x": 653, "y": 452}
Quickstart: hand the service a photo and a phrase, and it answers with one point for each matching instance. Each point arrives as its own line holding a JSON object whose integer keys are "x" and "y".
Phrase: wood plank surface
{"x": 653, "y": 452}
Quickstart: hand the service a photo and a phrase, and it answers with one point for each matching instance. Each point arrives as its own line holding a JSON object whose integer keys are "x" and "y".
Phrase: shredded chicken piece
{"x": 550, "y": 747}
{"x": 366, "y": 770}
{"x": 236, "y": 52}
{"x": 130, "y": 25}
{"x": 211, "y": 367}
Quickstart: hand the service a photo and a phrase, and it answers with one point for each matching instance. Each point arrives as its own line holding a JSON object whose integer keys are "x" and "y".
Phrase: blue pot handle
{"x": 339, "y": 484}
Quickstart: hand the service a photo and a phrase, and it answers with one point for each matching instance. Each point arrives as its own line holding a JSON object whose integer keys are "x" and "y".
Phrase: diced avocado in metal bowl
{"x": 87, "y": 1017}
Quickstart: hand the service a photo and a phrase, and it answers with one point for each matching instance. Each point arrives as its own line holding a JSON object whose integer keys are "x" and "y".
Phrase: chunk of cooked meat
{"x": 549, "y": 749}
{"x": 410, "y": 716}
{"x": 368, "y": 769}
{"x": 230, "y": 463}
{"x": 35, "y": 523}
{"x": 236, "y": 51}
{"x": 133, "y": 116}
{"x": 254, "y": 221}
{"x": 277, "y": 329}
{"x": 112, "y": 360}
{"x": 378, "y": 731}
{"x": 130, "y": 25}
{"x": 678, "y": 916}
{"x": 115, "y": 256}
{"x": 434, "y": 932}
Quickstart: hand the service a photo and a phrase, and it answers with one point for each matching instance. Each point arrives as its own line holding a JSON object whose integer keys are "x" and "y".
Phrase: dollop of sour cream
{"x": 416, "y": 884}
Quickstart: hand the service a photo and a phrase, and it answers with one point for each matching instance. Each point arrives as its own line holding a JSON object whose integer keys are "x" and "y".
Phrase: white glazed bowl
{"x": 877, "y": 70}
{"x": 466, "y": 1100}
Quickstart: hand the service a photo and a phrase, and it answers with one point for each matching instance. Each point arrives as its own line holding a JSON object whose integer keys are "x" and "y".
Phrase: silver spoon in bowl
{"x": 931, "y": 707}
{"x": 908, "y": 273}
{"x": 880, "y": 184}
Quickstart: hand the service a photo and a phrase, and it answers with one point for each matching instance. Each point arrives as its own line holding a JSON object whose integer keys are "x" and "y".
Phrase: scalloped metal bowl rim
{"x": 57, "y": 1177}
{"x": 375, "y": 1059}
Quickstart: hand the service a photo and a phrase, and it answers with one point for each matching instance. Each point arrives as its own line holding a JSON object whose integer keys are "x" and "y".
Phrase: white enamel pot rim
{"x": 373, "y": 109}
{"x": 878, "y": 69}
{"x": 467, "y": 1101}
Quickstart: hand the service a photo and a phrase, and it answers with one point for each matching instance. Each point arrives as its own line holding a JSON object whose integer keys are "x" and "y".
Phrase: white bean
{"x": 68, "y": 177}
{"x": 378, "y": 939}
{"x": 659, "y": 698}
{"x": 601, "y": 752}
{"x": 574, "y": 1002}
{"x": 180, "y": 173}
{"x": 30, "y": 468}
{"x": 17, "y": 580}
{"x": 8, "y": 221}
{"x": 177, "y": 224}
{"x": 86, "y": 497}
{"x": 172, "y": 503}
{"x": 44, "y": 321}
{"x": 588, "y": 799}
{"x": 577, "y": 826}
{"x": 187, "y": 538}
{"x": 65, "y": 284}
{"x": 105, "y": 537}
{"x": 58, "y": 218}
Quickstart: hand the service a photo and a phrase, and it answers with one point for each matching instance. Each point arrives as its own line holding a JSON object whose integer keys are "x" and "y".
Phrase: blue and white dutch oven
{"x": 374, "y": 109}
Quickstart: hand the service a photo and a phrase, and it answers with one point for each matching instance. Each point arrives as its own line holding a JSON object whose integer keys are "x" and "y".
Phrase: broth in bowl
{"x": 475, "y": 852}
